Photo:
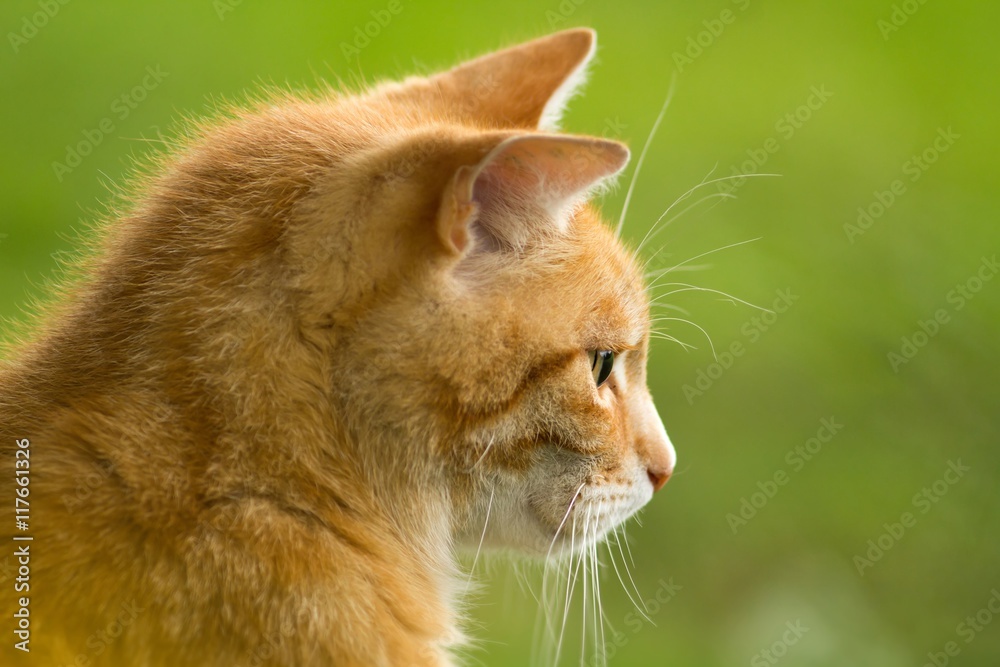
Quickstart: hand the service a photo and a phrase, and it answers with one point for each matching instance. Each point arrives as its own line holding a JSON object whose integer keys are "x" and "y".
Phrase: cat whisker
{"x": 550, "y": 608}
{"x": 658, "y": 227}
{"x": 663, "y": 336}
{"x": 647, "y": 273}
{"x": 485, "y": 452}
{"x": 598, "y": 604}
{"x": 662, "y": 272}
{"x": 543, "y": 621}
{"x": 489, "y": 509}
{"x": 684, "y": 196}
{"x": 628, "y": 547}
{"x": 670, "y": 306}
{"x": 585, "y": 557}
{"x": 656, "y": 273}
{"x": 686, "y": 287}
{"x": 614, "y": 564}
{"x": 523, "y": 581}
{"x": 703, "y": 183}
{"x": 571, "y": 574}
{"x": 624, "y": 537}
{"x": 544, "y": 633}
{"x": 701, "y": 329}
{"x": 553, "y": 640}
{"x": 562, "y": 523}
{"x": 642, "y": 154}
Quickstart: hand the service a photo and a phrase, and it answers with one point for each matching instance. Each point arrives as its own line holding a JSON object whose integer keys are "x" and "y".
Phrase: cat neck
{"x": 269, "y": 437}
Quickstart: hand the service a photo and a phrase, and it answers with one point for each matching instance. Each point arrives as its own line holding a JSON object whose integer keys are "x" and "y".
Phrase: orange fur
{"x": 320, "y": 339}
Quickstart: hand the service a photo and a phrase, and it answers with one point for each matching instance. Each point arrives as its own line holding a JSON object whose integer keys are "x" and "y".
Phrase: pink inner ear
{"x": 525, "y": 187}
{"x": 540, "y": 174}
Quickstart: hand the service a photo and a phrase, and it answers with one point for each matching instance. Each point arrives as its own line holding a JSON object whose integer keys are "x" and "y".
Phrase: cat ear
{"x": 526, "y": 186}
{"x": 524, "y": 86}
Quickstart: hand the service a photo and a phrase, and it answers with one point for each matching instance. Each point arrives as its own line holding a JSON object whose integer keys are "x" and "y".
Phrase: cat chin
{"x": 594, "y": 515}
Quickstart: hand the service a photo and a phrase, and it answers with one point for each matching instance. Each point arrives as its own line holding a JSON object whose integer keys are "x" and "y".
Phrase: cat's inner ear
{"x": 527, "y": 186}
{"x": 524, "y": 86}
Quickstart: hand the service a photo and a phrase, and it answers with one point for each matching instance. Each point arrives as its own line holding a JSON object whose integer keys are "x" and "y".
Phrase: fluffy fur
{"x": 327, "y": 339}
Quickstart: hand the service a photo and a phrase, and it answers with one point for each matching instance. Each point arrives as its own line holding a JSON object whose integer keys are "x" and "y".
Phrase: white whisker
{"x": 655, "y": 273}
{"x": 686, "y": 287}
{"x": 628, "y": 572}
{"x": 650, "y": 235}
{"x": 598, "y": 605}
{"x": 489, "y": 509}
{"x": 611, "y": 555}
{"x": 628, "y": 547}
{"x": 681, "y": 319}
{"x": 570, "y": 587}
{"x": 662, "y": 272}
{"x": 485, "y": 452}
{"x": 670, "y": 306}
{"x": 642, "y": 154}
{"x": 687, "y": 347}
{"x": 701, "y": 184}
{"x": 569, "y": 509}
{"x": 550, "y": 609}
{"x": 584, "y": 556}
{"x": 684, "y": 196}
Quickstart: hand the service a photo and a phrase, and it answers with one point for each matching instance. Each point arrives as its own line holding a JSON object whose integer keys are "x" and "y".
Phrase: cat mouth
{"x": 589, "y": 520}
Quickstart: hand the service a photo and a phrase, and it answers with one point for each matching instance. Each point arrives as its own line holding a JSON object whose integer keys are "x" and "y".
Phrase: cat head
{"x": 479, "y": 330}
{"x": 503, "y": 328}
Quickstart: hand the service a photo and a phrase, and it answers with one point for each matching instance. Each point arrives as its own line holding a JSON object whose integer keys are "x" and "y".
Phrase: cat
{"x": 333, "y": 341}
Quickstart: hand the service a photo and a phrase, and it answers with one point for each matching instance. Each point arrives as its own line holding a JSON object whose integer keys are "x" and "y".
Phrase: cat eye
{"x": 601, "y": 363}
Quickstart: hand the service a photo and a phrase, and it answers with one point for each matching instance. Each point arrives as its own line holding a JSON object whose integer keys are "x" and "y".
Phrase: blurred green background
{"x": 839, "y": 98}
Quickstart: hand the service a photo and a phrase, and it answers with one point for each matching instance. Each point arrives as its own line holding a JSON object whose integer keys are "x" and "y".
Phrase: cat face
{"x": 492, "y": 330}
{"x": 576, "y": 447}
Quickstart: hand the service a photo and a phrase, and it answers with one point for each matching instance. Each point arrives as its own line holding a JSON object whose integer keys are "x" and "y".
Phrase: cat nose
{"x": 654, "y": 446}
{"x": 658, "y": 476}
{"x": 660, "y": 460}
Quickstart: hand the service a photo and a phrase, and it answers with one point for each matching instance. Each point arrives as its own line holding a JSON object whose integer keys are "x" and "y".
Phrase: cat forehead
{"x": 590, "y": 282}
{"x": 621, "y": 305}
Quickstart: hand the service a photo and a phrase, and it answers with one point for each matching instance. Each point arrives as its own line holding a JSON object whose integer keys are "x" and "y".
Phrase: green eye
{"x": 601, "y": 363}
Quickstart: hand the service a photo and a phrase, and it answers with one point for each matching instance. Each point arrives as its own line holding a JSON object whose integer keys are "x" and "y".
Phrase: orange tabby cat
{"x": 328, "y": 339}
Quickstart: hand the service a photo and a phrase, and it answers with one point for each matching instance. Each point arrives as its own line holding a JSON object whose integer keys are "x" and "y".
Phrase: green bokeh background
{"x": 825, "y": 357}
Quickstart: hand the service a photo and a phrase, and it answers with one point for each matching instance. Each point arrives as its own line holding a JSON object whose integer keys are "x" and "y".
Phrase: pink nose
{"x": 658, "y": 476}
